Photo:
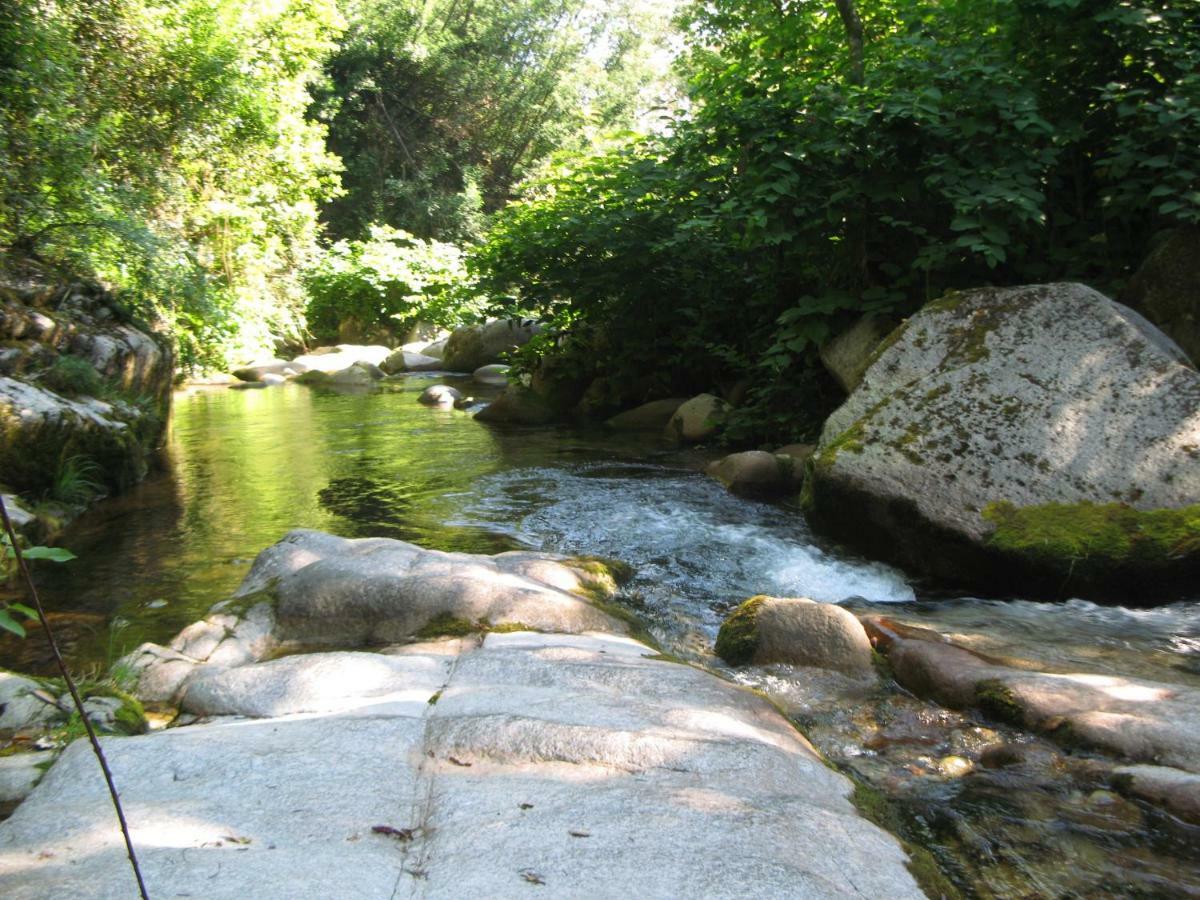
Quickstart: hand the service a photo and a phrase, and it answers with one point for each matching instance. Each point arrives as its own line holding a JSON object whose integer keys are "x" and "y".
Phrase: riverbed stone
{"x": 756, "y": 473}
{"x": 406, "y": 360}
{"x": 697, "y": 419}
{"x": 20, "y": 773}
{"x": 1174, "y": 790}
{"x": 361, "y": 374}
{"x": 258, "y": 371}
{"x": 317, "y": 589}
{"x": 652, "y": 416}
{"x": 440, "y": 395}
{"x": 472, "y": 346}
{"x": 19, "y": 707}
{"x": 496, "y": 373}
{"x": 342, "y": 356}
{"x": 1143, "y": 721}
{"x": 518, "y": 405}
{"x": 1042, "y": 439}
{"x": 577, "y": 763}
{"x": 797, "y": 631}
{"x": 848, "y": 355}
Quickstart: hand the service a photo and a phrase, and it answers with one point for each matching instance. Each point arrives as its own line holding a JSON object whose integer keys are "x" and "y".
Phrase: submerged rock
{"x": 473, "y": 346}
{"x": 1143, "y": 721}
{"x": 1040, "y": 438}
{"x": 798, "y": 631}
{"x": 441, "y": 395}
{"x": 756, "y": 473}
{"x": 697, "y": 419}
{"x": 577, "y": 763}
{"x": 1172, "y": 789}
{"x": 313, "y": 588}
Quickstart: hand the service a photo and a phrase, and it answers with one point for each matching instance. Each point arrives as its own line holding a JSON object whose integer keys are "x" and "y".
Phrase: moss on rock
{"x": 737, "y": 641}
{"x": 997, "y": 700}
{"x": 1089, "y": 538}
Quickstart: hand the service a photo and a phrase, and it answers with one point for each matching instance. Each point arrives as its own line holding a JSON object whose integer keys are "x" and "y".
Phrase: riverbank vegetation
{"x": 256, "y": 176}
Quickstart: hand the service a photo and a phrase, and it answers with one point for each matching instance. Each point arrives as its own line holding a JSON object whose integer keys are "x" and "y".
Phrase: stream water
{"x": 244, "y": 467}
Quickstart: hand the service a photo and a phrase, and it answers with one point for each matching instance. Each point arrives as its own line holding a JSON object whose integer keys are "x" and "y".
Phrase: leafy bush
{"x": 975, "y": 142}
{"x": 73, "y": 376}
{"x": 389, "y": 281}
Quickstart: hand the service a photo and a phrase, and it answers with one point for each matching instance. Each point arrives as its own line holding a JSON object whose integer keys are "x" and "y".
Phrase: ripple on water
{"x": 696, "y": 547}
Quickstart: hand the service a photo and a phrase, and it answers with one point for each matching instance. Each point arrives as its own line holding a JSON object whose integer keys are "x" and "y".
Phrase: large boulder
{"x": 756, "y": 473}
{"x": 652, "y": 416}
{"x": 518, "y": 405}
{"x": 698, "y": 419}
{"x": 406, "y": 360}
{"x": 798, "y": 631}
{"x": 848, "y": 355}
{"x": 472, "y": 346}
{"x": 496, "y": 373}
{"x": 578, "y": 763}
{"x": 342, "y": 356}
{"x": 62, "y": 349}
{"x": 1041, "y": 439}
{"x": 313, "y": 588}
{"x": 260, "y": 371}
{"x": 1167, "y": 288}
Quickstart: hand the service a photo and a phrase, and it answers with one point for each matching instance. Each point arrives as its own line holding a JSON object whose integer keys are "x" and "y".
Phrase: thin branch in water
{"x": 70, "y": 682}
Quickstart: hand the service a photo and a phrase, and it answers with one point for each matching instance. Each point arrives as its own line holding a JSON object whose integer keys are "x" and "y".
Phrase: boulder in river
{"x": 258, "y": 371}
{"x": 652, "y": 416}
{"x": 342, "y": 356}
{"x": 518, "y": 405}
{"x": 496, "y": 373}
{"x": 848, "y": 355}
{"x": 315, "y": 588}
{"x": 756, "y": 473}
{"x": 798, "y": 631}
{"x": 697, "y": 419}
{"x": 472, "y": 346}
{"x": 361, "y": 373}
{"x": 406, "y": 360}
{"x": 1041, "y": 439}
{"x": 577, "y": 763}
{"x": 439, "y": 395}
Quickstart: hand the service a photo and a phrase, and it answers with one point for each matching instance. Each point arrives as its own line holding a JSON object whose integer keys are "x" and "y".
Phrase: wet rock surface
{"x": 313, "y": 588}
{"x": 579, "y": 763}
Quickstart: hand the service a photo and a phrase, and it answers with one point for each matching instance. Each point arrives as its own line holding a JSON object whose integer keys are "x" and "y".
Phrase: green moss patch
{"x": 997, "y": 700}
{"x": 737, "y": 641}
{"x": 1094, "y": 538}
{"x": 446, "y": 625}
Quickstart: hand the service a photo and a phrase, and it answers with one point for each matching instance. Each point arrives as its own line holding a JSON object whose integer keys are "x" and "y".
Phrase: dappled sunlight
{"x": 1121, "y": 688}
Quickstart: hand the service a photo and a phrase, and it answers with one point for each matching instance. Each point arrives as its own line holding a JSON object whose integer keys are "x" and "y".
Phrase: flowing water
{"x": 244, "y": 467}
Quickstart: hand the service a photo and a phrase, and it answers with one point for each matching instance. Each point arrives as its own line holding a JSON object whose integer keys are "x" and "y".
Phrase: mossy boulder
{"x": 797, "y": 631}
{"x": 848, "y": 355}
{"x": 1167, "y": 288}
{"x": 652, "y": 416}
{"x": 1042, "y": 440}
{"x": 698, "y": 419}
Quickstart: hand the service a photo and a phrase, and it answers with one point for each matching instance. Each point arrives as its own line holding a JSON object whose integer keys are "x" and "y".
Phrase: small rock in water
{"x": 440, "y": 395}
{"x": 955, "y": 766}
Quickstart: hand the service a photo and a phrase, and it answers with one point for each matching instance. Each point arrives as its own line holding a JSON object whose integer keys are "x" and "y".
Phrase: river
{"x": 244, "y": 467}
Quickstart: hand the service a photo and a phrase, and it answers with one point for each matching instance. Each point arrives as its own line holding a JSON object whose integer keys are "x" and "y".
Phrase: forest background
{"x": 688, "y": 194}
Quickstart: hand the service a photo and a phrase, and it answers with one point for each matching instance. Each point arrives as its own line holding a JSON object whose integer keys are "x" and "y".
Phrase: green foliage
{"x": 77, "y": 480}
{"x": 988, "y": 141}
{"x": 73, "y": 376}
{"x": 162, "y": 149}
{"x": 13, "y": 614}
{"x": 1091, "y": 537}
{"x": 439, "y": 107}
{"x": 389, "y": 281}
